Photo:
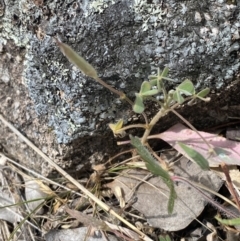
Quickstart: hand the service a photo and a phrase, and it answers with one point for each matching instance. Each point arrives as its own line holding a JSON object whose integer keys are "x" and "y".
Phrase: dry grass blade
{"x": 36, "y": 175}
{"x": 126, "y": 231}
{"x": 71, "y": 179}
{"x": 4, "y": 230}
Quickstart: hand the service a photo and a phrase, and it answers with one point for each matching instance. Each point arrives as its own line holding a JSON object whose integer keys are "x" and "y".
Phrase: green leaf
{"x": 150, "y": 93}
{"x": 169, "y": 79}
{"x": 146, "y": 86}
{"x": 154, "y": 167}
{"x": 178, "y": 97}
{"x": 186, "y": 87}
{"x": 153, "y": 80}
{"x": 152, "y": 77}
{"x": 165, "y": 72}
{"x": 117, "y": 126}
{"x": 77, "y": 60}
{"x": 146, "y": 89}
{"x": 195, "y": 156}
{"x": 231, "y": 222}
{"x": 203, "y": 93}
{"x": 138, "y": 106}
{"x": 166, "y": 238}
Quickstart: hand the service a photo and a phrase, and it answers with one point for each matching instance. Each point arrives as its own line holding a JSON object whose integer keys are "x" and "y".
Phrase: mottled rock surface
{"x": 125, "y": 41}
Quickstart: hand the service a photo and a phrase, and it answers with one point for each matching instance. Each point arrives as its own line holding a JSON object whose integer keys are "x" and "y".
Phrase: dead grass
{"x": 36, "y": 205}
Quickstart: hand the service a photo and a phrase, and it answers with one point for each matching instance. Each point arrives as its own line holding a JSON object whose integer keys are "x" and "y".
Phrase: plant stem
{"x": 144, "y": 126}
{"x": 230, "y": 185}
{"x": 162, "y": 112}
{"x": 119, "y": 93}
{"x": 155, "y": 119}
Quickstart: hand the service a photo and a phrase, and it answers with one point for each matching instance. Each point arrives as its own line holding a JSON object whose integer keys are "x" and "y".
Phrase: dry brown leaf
{"x": 33, "y": 191}
{"x": 44, "y": 188}
{"x": 10, "y": 214}
{"x": 152, "y": 198}
{"x": 137, "y": 164}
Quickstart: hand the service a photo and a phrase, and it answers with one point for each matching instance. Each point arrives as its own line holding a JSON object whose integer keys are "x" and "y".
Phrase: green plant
{"x": 172, "y": 99}
{"x": 231, "y": 222}
{"x": 164, "y": 238}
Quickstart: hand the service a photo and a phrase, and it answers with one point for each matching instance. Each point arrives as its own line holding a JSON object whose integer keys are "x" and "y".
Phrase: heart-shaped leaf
{"x": 146, "y": 89}
{"x": 165, "y": 72}
{"x": 178, "y": 97}
{"x": 186, "y": 87}
{"x": 153, "y": 80}
{"x": 146, "y": 86}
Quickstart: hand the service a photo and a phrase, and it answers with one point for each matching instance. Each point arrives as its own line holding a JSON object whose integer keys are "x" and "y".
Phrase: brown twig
{"x": 229, "y": 184}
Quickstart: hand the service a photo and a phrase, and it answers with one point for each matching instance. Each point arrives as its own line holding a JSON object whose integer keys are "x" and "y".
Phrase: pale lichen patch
{"x": 100, "y": 5}
{"x": 149, "y": 14}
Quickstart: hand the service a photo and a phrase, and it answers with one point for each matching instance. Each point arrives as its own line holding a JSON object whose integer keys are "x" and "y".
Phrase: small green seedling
{"x": 149, "y": 89}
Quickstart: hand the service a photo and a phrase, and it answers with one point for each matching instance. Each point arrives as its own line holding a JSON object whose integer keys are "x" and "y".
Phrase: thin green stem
{"x": 120, "y": 94}
{"x": 162, "y": 112}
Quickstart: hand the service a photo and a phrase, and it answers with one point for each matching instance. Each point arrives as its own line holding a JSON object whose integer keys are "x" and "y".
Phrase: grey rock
{"x": 125, "y": 41}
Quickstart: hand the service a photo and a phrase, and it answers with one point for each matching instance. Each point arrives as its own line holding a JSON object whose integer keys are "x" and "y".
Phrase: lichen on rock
{"x": 125, "y": 41}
